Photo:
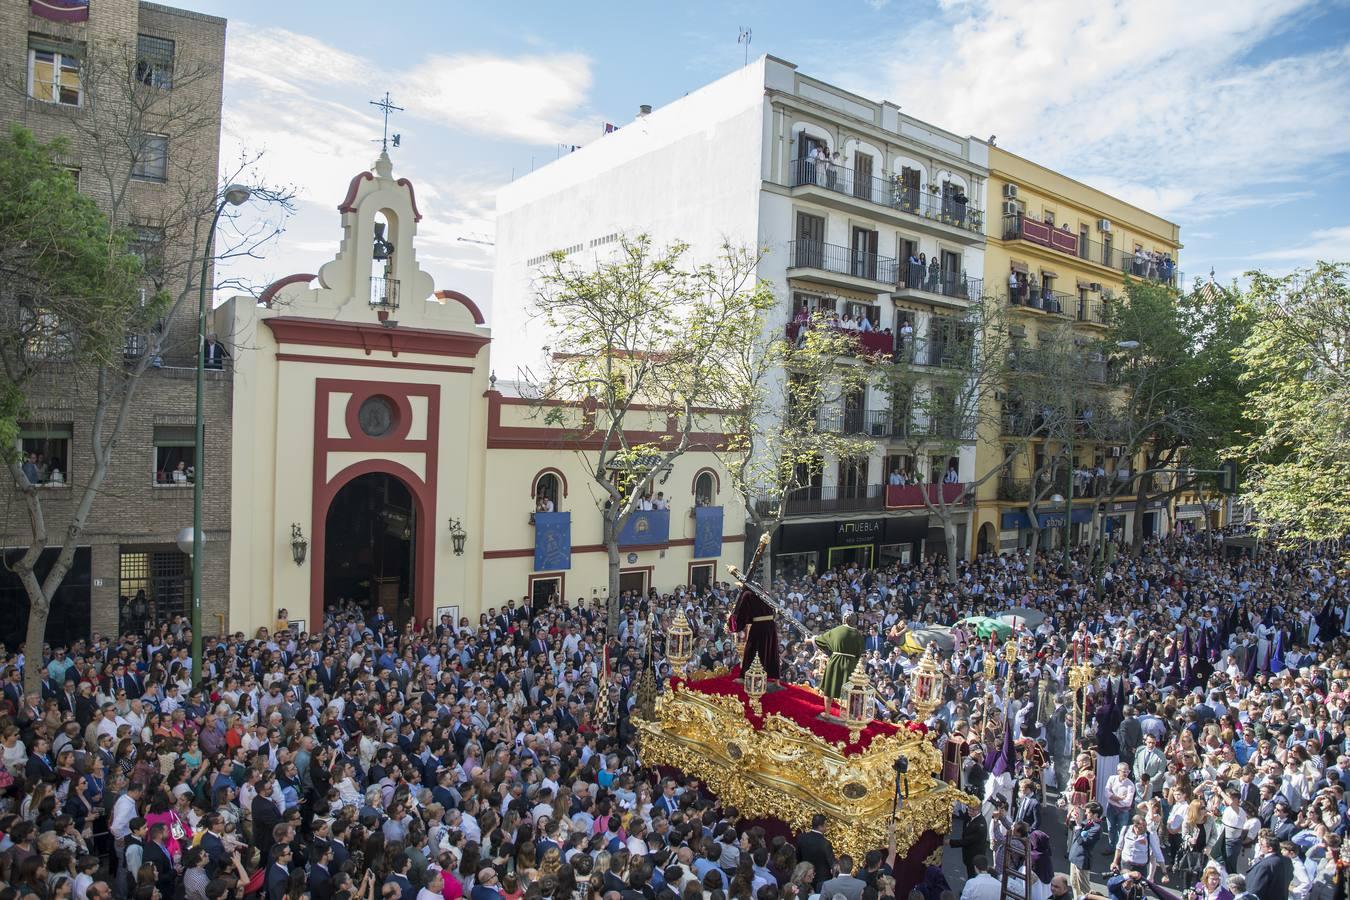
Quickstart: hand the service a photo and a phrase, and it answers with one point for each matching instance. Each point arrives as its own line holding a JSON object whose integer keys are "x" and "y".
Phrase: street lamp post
{"x": 234, "y": 195}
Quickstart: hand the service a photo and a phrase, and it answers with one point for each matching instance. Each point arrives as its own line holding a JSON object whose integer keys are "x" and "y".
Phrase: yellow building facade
{"x": 376, "y": 462}
{"x": 1056, "y": 261}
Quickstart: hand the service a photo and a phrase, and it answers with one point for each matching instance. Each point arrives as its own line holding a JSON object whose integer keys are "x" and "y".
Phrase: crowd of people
{"x": 429, "y": 760}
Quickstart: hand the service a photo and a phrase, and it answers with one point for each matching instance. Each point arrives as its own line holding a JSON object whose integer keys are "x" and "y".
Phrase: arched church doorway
{"x": 370, "y": 535}
{"x": 984, "y": 540}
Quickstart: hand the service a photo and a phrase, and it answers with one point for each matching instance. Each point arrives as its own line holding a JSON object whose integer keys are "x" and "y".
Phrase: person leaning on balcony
{"x": 895, "y": 479}
{"x": 865, "y": 324}
{"x": 1014, "y": 286}
{"x": 952, "y": 476}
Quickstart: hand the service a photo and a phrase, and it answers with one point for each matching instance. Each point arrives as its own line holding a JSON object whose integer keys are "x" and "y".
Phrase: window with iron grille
{"x": 153, "y": 587}
{"x": 154, "y": 61}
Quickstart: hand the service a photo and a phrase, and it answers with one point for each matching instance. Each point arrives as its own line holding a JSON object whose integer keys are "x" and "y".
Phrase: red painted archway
{"x": 424, "y": 546}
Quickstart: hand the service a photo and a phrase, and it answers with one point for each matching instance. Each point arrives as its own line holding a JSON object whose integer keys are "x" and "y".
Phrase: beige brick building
{"x": 154, "y": 71}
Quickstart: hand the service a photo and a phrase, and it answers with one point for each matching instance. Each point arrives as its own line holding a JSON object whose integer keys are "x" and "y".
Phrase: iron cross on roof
{"x": 387, "y": 106}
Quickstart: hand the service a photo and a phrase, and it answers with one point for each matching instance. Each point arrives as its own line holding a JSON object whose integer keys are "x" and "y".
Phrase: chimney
{"x": 644, "y": 110}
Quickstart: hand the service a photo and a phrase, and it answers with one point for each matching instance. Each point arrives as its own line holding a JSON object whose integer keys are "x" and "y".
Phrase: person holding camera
{"x": 1138, "y": 850}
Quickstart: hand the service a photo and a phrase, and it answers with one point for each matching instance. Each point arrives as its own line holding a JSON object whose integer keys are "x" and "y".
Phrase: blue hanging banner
{"x": 707, "y": 532}
{"x": 552, "y": 541}
{"x": 646, "y": 526}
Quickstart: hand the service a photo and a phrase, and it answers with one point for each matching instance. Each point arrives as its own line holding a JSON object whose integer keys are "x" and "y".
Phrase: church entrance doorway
{"x": 370, "y": 535}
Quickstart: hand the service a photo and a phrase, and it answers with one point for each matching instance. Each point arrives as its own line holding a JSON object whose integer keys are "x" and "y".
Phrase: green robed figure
{"x": 845, "y": 645}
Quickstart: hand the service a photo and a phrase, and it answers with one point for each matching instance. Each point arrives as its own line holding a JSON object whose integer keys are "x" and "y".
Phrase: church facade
{"x": 377, "y": 463}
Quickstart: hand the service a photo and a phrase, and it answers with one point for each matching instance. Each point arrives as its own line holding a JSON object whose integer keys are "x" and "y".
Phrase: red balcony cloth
{"x": 799, "y": 704}
{"x": 911, "y": 495}
{"x": 870, "y": 341}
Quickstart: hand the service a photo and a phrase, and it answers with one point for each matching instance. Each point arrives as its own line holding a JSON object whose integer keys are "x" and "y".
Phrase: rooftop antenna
{"x": 386, "y": 138}
{"x": 744, "y": 38}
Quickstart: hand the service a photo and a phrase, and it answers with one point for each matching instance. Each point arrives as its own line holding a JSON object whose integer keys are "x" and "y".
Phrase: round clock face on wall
{"x": 376, "y": 416}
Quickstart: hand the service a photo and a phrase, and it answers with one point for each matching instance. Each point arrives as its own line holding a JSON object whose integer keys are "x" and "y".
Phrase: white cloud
{"x": 1322, "y": 244}
{"x": 534, "y": 99}
{"x": 288, "y": 61}
{"x": 1152, "y": 100}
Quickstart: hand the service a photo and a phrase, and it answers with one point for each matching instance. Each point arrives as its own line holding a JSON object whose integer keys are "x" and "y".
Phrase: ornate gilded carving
{"x": 783, "y": 770}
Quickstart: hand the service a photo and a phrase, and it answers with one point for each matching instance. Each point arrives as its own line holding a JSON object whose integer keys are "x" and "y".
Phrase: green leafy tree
{"x": 639, "y": 345}
{"x": 96, "y": 347}
{"x": 1179, "y": 391}
{"x": 943, "y": 393}
{"x": 781, "y": 399}
{"x": 1297, "y": 360}
{"x": 68, "y": 285}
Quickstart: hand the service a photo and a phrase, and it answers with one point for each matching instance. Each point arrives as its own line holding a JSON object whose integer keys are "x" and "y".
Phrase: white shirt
{"x": 124, "y": 810}
{"x": 1137, "y": 849}
{"x": 982, "y": 887}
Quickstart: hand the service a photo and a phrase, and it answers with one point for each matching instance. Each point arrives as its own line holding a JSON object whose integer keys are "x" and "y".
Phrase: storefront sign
{"x": 863, "y": 532}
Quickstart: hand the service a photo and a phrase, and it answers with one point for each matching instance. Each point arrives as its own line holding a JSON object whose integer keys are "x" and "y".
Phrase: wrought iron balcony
{"x": 842, "y": 261}
{"x": 1153, "y": 266}
{"x": 952, "y": 209}
{"x": 914, "y": 277}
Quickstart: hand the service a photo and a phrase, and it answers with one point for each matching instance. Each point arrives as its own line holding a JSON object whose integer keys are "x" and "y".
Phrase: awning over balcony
{"x": 60, "y": 10}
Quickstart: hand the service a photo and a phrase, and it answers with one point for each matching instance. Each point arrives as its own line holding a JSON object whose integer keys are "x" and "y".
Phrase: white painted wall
{"x": 689, "y": 171}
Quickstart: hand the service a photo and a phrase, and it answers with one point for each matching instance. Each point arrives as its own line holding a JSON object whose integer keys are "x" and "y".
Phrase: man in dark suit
{"x": 39, "y": 764}
{"x": 338, "y": 842}
{"x": 815, "y": 848}
{"x": 1029, "y": 806}
{"x": 320, "y": 879}
{"x": 1130, "y": 734}
{"x": 156, "y": 853}
{"x": 278, "y": 872}
{"x": 1271, "y": 874}
{"x": 974, "y": 839}
{"x": 14, "y": 689}
{"x": 974, "y": 775}
{"x": 266, "y": 816}
{"x": 212, "y": 842}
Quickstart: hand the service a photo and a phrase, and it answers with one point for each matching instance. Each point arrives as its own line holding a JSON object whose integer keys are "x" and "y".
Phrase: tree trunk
{"x": 39, "y": 608}
{"x": 612, "y": 549}
{"x": 949, "y": 533}
{"x": 1137, "y": 532}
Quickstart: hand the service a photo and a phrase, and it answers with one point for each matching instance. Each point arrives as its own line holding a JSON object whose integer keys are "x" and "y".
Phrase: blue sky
{"x": 1231, "y": 118}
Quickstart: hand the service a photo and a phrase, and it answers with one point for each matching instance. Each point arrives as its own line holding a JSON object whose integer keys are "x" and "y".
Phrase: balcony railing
{"x": 838, "y": 498}
{"x": 952, "y": 209}
{"x": 882, "y": 423}
{"x": 1054, "y": 302}
{"x": 842, "y": 261}
{"x": 1156, "y": 267}
{"x": 873, "y": 342}
{"x": 915, "y": 277}
{"x": 934, "y": 353}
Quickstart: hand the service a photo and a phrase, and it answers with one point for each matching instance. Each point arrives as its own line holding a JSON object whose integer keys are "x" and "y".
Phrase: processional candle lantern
{"x": 680, "y": 642}
{"x": 927, "y": 685}
{"x": 859, "y": 703}
{"x": 756, "y": 680}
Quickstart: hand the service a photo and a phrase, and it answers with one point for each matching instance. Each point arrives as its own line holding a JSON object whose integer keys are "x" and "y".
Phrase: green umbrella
{"x": 985, "y": 626}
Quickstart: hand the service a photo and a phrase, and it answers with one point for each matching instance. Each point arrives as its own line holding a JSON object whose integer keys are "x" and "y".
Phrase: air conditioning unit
{"x": 1115, "y": 452}
{"x": 1103, "y": 224}
{"x": 1010, "y": 191}
{"x": 1095, "y": 287}
{"x": 1010, "y": 207}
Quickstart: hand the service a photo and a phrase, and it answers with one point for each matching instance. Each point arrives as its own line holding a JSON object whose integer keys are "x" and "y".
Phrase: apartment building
{"x": 82, "y": 69}
{"x": 1057, "y": 257}
{"x": 863, "y": 213}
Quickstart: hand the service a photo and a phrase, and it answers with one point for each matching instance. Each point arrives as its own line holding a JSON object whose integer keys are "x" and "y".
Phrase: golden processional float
{"x": 765, "y": 748}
